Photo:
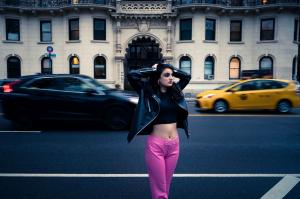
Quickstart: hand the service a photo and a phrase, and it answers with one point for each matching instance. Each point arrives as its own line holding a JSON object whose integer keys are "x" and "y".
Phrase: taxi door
{"x": 245, "y": 96}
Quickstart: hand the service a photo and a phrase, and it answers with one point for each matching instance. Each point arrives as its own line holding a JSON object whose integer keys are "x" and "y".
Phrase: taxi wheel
{"x": 117, "y": 118}
{"x": 284, "y": 106}
{"x": 220, "y": 106}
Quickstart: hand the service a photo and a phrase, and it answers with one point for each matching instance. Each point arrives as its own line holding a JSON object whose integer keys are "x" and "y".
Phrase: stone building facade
{"x": 214, "y": 40}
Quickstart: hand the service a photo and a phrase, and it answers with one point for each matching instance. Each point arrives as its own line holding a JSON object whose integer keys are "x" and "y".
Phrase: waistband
{"x": 162, "y": 140}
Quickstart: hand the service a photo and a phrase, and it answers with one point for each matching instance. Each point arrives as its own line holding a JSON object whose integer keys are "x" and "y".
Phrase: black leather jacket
{"x": 148, "y": 106}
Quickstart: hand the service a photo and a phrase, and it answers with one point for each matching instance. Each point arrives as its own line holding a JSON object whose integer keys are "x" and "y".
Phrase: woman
{"x": 160, "y": 111}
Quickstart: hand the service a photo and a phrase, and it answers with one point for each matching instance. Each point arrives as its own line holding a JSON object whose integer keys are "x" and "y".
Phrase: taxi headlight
{"x": 208, "y": 96}
{"x": 134, "y": 100}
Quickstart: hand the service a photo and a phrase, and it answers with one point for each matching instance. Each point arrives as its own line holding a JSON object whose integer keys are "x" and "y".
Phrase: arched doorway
{"x": 141, "y": 53}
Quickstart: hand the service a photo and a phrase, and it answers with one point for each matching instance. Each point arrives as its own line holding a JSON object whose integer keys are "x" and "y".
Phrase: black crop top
{"x": 168, "y": 110}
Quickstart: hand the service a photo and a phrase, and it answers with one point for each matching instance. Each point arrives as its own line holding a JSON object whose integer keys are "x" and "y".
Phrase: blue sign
{"x": 49, "y": 49}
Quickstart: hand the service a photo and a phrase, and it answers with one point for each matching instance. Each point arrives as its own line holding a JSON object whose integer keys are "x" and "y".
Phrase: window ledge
{"x": 12, "y": 42}
{"x": 185, "y": 41}
{"x": 73, "y": 41}
{"x": 267, "y": 41}
{"x": 45, "y": 42}
{"x": 210, "y": 41}
{"x": 99, "y": 41}
{"x": 236, "y": 42}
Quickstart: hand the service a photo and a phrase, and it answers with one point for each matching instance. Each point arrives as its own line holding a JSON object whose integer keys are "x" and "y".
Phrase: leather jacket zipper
{"x": 149, "y": 109}
{"x": 152, "y": 119}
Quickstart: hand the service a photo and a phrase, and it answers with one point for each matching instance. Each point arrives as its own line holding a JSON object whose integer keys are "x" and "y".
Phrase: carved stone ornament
{"x": 143, "y": 26}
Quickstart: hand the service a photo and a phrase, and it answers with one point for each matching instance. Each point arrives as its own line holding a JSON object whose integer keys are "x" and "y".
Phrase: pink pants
{"x": 161, "y": 157}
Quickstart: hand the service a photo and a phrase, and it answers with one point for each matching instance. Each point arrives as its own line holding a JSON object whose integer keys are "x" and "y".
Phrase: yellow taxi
{"x": 271, "y": 94}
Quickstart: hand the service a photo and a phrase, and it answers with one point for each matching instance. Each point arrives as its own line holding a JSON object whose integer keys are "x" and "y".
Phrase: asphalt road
{"x": 235, "y": 155}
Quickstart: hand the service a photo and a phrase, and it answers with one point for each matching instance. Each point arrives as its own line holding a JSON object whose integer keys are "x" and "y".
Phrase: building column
{"x": 168, "y": 57}
{"x": 119, "y": 75}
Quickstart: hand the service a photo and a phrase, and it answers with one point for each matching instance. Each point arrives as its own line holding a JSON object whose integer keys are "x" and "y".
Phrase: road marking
{"x": 20, "y": 131}
{"x": 230, "y": 115}
{"x": 143, "y": 175}
{"x": 281, "y": 188}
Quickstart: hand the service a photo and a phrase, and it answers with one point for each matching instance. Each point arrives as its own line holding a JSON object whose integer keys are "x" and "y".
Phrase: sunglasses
{"x": 167, "y": 74}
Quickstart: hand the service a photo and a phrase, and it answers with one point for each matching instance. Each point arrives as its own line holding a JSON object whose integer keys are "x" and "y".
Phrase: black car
{"x": 66, "y": 97}
{"x": 3, "y": 82}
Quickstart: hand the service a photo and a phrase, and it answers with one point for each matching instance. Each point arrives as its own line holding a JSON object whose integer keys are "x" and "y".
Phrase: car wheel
{"x": 284, "y": 107}
{"x": 220, "y": 106}
{"x": 118, "y": 118}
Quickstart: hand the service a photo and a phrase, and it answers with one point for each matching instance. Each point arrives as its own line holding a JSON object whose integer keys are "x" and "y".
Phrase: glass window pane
{"x": 209, "y": 68}
{"x": 46, "y": 26}
{"x": 185, "y": 29}
{"x": 185, "y": 64}
{"x": 267, "y": 29}
{"x": 12, "y": 29}
{"x": 234, "y": 72}
{"x": 210, "y": 25}
{"x": 266, "y": 63}
{"x": 46, "y": 37}
{"x": 100, "y": 68}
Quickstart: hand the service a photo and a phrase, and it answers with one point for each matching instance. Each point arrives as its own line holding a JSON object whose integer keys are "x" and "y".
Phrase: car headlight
{"x": 134, "y": 100}
{"x": 209, "y": 96}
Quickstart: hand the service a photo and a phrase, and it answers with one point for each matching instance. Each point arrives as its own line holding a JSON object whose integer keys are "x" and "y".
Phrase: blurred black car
{"x": 66, "y": 97}
{"x": 3, "y": 82}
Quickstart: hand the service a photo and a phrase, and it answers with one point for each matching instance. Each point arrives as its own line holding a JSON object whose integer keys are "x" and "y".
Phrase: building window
{"x": 234, "y": 68}
{"x": 13, "y": 67}
{"x": 12, "y": 30}
{"x": 46, "y": 65}
{"x": 210, "y": 29}
{"x": 186, "y": 29}
{"x": 100, "y": 68}
{"x": 266, "y": 66}
{"x": 46, "y": 31}
{"x": 296, "y": 30}
{"x": 74, "y": 65}
{"x": 236, "y": 30}
{"x": 209, "y": 68}
{"x": 267, "y": 29}
{"x": 99, "y": 29}
{"x": 74, "y": 29}
{"x": 185, "y": 64}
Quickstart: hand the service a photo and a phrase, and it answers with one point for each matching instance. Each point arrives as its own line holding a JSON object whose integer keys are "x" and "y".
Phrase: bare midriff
{"x": 165, "y": 131}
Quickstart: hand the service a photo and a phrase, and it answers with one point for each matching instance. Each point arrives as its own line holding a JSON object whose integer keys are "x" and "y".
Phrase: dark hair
{"x": 153, "y": 88}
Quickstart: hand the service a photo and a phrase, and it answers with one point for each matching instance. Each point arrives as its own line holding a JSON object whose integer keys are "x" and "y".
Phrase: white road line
{"x": 281, "y": 188}
{"x": 141, "y": 175}
{"x": 230, "y": 115}
{"x": 20, "y": 131}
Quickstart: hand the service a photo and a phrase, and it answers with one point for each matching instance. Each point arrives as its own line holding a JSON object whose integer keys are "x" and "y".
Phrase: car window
{"x": 44, "y": 83}
{"x": 269, "y": 84}
{"x": 247, "y": 86}
{"x": 74, "y": 84}
{"x": 95, "y": 83}
{"x": 225, "y": 86}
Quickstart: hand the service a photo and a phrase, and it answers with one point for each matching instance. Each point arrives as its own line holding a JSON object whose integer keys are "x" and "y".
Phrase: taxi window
{"x": 247, "y": 86}
{"x": 272, "y": 84}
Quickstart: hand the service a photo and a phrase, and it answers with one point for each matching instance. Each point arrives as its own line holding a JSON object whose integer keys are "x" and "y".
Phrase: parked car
{"x": 272, "y": 94}
{"x": 66, "y": 97}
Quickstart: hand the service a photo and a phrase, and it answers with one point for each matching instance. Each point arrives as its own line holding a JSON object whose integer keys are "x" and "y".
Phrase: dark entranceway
{"x": 141, "y": 53}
